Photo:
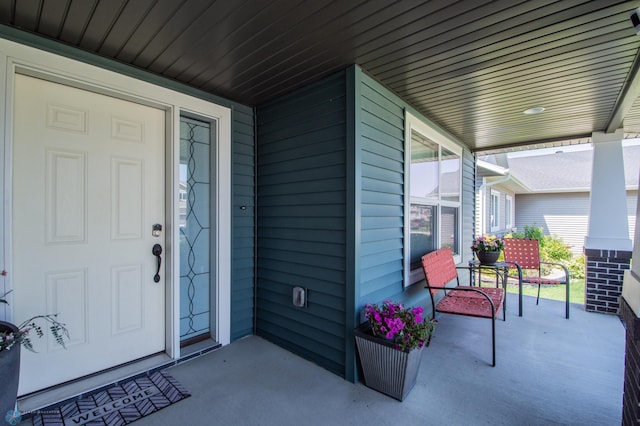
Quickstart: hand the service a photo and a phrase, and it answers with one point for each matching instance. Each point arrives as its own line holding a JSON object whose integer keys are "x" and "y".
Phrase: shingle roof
{"x": 567, "y": 171}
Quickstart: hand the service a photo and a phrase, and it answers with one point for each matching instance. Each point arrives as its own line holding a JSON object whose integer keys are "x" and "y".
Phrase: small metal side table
{"x": 501, "y": 270}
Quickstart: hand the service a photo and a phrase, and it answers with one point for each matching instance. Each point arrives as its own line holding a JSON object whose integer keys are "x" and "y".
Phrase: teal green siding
{"x": 301, "y": 221}
{"x": 331, "y": 214}
{"x": 382, "y": 192}
{"x": 244, "y": 223}
{"x": 379, "y": 188}
{"x": 468, "y": 206}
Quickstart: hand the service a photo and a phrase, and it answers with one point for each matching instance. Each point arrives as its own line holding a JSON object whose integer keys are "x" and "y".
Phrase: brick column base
{"x": 631, "y": 396}
{"x": 603, "y": 279}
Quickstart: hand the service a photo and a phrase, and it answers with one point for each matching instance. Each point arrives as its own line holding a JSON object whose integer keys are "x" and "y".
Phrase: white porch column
{"x": 608, "y": 226}
{"x": 607, "y": 246}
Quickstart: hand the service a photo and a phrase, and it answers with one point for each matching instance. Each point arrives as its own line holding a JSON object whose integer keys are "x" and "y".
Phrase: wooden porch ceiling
{"x": 473, "y": 67}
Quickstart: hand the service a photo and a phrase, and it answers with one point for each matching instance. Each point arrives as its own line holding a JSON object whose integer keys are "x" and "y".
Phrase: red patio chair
{"x": 480, "y": 302}
{"x": 524, "y": 254}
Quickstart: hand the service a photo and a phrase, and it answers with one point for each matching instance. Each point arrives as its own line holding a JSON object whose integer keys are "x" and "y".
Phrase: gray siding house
{"x": 495, "y": 201}
{"x": 551, "y": 191}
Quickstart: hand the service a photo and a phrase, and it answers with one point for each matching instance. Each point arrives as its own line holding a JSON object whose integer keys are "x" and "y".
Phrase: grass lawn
{"x": 576, "y": 291}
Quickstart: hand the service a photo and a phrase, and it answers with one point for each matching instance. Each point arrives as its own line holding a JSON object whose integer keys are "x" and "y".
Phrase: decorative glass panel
{"x": 195, "y": 243}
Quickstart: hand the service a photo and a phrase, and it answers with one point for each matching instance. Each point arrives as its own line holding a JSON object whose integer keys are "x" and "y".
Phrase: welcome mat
{"x": 118, "y": 405}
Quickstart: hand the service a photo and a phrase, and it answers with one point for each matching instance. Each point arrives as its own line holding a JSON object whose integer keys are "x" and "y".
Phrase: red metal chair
{"x": 480, "y": 302}
{"x": 524, "y": 255}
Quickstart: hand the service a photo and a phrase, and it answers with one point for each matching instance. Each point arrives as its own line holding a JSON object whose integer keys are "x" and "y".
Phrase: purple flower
{"x": 404, "y": 326}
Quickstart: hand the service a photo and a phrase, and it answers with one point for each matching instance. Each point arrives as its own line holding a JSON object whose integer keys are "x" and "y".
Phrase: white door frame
{"x": 18, "y": 58}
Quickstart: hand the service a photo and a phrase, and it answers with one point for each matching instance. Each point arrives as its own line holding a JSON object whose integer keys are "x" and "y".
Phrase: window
{"x": 495, "y": 210}
{"x": 433, "y": 201}
{"x": 508, "y": 212}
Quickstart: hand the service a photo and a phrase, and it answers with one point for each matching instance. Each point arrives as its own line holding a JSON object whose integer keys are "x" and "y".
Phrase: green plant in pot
{"x": 12, "y": 337}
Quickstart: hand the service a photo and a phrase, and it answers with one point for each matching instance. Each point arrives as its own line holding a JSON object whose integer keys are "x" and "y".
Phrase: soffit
{"x": 471, "y": 67}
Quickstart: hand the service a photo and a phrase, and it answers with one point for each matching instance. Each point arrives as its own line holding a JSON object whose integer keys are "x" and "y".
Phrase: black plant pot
{"x": 9, "y": 373}
{"x": 488, "y": 257}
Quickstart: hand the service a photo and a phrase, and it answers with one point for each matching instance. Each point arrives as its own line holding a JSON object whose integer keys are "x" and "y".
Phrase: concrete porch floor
{"x": 550, "y": 371}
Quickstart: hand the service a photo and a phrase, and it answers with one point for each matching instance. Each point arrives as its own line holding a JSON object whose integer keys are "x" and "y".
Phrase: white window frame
{"x": 494, "y": 222}
{"x": 508, "y": 211}
{"x": 444, "y": 140}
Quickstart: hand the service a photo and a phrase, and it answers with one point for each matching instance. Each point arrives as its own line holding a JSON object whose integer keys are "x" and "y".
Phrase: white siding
{"x": 565, "y": 215}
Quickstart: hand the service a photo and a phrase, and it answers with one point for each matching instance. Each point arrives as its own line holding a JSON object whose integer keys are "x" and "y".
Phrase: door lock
{"x": 156, "y": 229}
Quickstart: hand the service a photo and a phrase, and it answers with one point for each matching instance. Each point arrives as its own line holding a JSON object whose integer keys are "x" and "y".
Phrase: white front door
{"x": 88, "y": 186}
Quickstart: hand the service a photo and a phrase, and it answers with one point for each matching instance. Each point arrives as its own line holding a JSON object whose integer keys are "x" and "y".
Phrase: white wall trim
{"x": 4, "y": 285}
{"x": 18, "y": 58}
{"x": 608, "y": 226}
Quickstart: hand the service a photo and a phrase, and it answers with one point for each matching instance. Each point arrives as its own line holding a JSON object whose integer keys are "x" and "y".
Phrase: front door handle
{"x": 157, "y": 251}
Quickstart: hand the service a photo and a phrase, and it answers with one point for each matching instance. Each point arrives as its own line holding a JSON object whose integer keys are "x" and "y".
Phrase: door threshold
{"x": 57, "y": 395}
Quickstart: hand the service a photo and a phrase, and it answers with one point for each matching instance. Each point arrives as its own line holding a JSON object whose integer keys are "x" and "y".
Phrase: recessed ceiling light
{"x": 534, "y": 110}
